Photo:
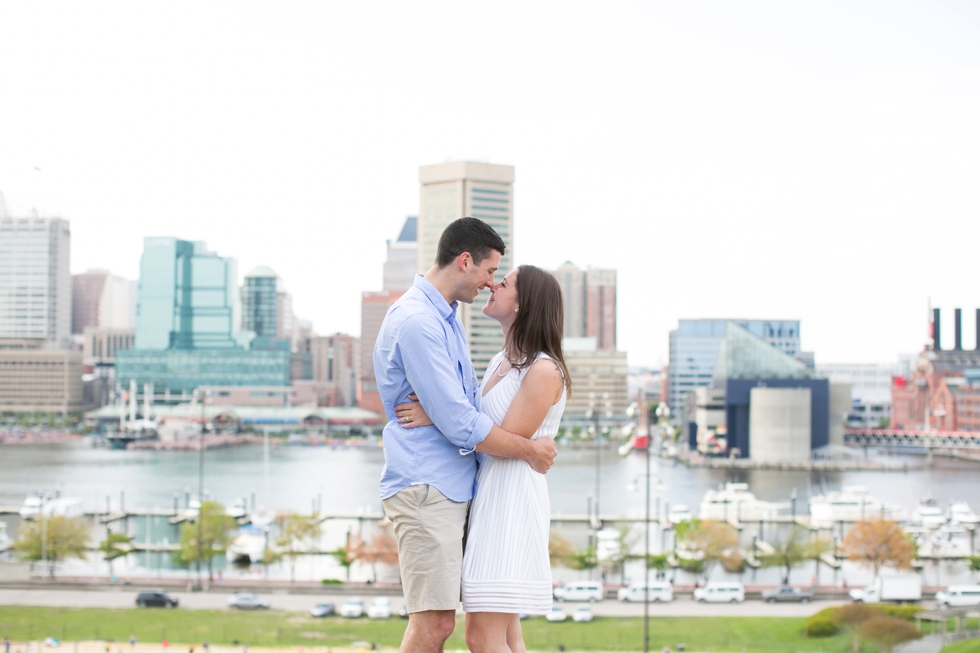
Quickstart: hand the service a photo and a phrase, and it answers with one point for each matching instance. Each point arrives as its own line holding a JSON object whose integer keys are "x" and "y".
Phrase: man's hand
{"x": 542, "y": 457}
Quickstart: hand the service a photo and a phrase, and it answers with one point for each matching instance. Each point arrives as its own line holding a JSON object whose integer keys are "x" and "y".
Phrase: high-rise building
{"x": 598, "y": 378}
{"x": 188, "y": 297}
{"x": 334, "y": 363}
{"x": 374, "y": 307}
{"x": 188, "y": 326}
{"x": 38, "y": 380}
{"x": 694, "y": 348}
{"x": 401, "y": 263}
{"x": 463, "y": 189}
{"x": 267, "y": 309}
{"x": 35, "y": 281}
{"x": 102, "y": 299}
{"x": 590, "y": 303}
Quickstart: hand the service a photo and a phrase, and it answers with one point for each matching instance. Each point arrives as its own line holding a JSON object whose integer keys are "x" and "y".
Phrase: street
{"x": 125, "y": 598}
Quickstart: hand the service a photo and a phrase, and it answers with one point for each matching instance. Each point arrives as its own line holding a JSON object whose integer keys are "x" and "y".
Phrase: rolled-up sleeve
{"x": 433, "y": 376}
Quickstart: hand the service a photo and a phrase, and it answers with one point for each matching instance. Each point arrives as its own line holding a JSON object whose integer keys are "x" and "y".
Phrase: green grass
{"x": 762, "y": 634}
{"x": 966, "y": 646}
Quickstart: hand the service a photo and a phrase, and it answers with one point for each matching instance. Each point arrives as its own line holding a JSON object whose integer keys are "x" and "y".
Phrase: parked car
{"x": 352, "y": 608}
{"x": 659, "y": 591}
{"x": 247, "y": 601}
{"x": 957, "y": 596}
{"x": 155, "y": 599}
{"x": 582, "y": 615}
{"x": 557, "y": 614}
{"x": 720, "y": 593}
{"x": 322, "y": 610}
{"x": 590, "y": 591}
{"x": 787, "y": 593}
{"x": 380, "y": 608}
{"x": 403, "y": 613}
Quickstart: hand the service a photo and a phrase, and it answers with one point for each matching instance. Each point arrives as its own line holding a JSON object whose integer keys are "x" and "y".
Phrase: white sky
{"x": 817, "y": 160}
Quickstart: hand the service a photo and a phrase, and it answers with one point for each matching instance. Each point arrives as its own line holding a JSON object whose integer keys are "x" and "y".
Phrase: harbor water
{"x": 345, "y": 480}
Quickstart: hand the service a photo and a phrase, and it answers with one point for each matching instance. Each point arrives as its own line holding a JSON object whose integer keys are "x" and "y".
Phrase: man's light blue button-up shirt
{"x": 422, "y": 349}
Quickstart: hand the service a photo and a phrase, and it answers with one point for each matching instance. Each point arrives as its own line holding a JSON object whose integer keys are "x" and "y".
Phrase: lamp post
{"x": 203, "y": 395}
{"x": 592, "y": 412}
{"x": 792, "y": 497}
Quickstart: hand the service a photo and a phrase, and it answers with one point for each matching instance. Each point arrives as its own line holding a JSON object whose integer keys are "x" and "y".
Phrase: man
{"x": 429, "y": 472}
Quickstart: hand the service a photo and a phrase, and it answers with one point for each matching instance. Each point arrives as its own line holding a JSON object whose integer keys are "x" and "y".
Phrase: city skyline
{"x": 754, "y": 161}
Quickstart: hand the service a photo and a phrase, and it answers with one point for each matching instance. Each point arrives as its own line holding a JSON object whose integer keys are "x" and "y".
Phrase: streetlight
{"x": 592, "y": 412}
{"x": 792, "y": 497}
{"x": 203, "y": 395}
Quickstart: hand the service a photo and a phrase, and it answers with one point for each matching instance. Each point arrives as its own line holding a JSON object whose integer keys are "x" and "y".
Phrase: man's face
{"x": 477, "y": 277}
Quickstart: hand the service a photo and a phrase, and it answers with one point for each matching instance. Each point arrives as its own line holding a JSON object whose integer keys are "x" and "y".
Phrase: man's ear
{"x": 463, "y": 260}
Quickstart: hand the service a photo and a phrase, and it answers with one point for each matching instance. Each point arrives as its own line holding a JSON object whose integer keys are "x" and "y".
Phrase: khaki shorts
{"x": 429, "y": 529}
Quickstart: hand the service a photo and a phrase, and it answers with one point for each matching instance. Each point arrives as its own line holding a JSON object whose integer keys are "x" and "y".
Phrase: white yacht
{"x": 929, "y": 513}
{"x": 249, "y": 546}
{"x": 852, "y": 503}
{"x": 32, "y": 507}
{"x": 961, "y": 513}
{"x": 678, "y": 513}
{"x": 734, "y": 503}
{"x": 237, "y": 509}
{"x": 4, "y": 538}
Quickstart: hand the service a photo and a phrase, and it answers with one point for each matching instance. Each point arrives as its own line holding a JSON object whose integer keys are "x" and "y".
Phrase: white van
{"x": 659, "y": 591}
{"x": 587, "y": 590}
{"x": 720, "y": 593}
{"x": 956, "y": 596}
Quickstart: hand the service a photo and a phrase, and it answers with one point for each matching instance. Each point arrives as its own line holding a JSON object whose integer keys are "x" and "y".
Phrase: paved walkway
{"x": 928, "y": 644}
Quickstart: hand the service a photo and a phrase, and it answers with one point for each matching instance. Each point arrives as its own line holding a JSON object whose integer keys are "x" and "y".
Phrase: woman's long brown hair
{"x": 540, "y": 323}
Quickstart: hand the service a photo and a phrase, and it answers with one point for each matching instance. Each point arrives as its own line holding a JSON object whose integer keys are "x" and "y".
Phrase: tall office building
{"x": 35, "y": 281}
{"x": 334, "y": 365}
{"x": 590, "y": 303}
{"x": 695, "y": 345}
{"x": 374, "y": 307}
{"x": 188, "y": 325}
{"x": 267, "y": 309}
{"x": 402, "y": 260}
{"x": 188, "y": 297}
{"x": 467, "y": 189}
{"x": 101, "y": 299}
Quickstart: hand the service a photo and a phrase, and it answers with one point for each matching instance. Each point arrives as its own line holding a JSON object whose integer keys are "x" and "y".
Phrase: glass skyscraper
{"x": 260, "y": 301}
{"x": 188, "y": 324}
{"x": 694, "y": 348}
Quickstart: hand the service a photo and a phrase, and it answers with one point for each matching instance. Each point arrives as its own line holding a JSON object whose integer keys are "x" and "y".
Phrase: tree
{"x": 296, "y": 534}
{"x": 879, "y": 543}
{"x": 383, "y": 548}
{"x": 53, "y": 538}
{"x": 886, "y": 632}
{"x": 815, "y": 549}
{"x": 216, "y": 528}
{"x": 583, "y": 559}
{"x": 787, "y": 553}
{"x": 114, "y": 546}
{"x": 342, "y": 555}
{"x": 853, "y": 615}
{"x": 714, "y": 540}
{"x": 560, "y": 550}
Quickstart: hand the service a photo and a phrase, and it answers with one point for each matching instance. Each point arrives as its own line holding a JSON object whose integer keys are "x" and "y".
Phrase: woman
{"x": 506, "y": 569}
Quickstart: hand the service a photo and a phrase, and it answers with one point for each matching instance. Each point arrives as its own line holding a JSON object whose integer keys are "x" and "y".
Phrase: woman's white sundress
{"x": 505, "y": 565}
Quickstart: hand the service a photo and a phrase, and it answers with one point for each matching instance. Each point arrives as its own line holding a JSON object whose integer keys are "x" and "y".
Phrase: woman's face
{"x": 502, "y": 305}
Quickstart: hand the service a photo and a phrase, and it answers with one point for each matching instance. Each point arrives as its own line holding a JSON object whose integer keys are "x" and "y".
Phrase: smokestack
{"x": 958, "y": 335}
{"x": 936, "y": 345}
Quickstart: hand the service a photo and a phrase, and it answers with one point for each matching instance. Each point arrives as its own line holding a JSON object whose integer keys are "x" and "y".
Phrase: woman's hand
{"x": 411, "y": 415}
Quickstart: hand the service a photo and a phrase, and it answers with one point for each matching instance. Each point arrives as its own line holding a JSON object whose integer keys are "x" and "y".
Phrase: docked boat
{"x": 31, "y": 507}
{"x": 679, "y": 513}
{"x": 852, "y": 503}
{"x": 237, "y": 509}
{"x": 928, "y": 513}
{"x": 961, "y": 513}
{"x": 249, "y": 547}
{"x": 139, "y": 431}
{"x": 734, "y": 503}
{"x": 4, "y": 538}
{"x": 262, "y": 517}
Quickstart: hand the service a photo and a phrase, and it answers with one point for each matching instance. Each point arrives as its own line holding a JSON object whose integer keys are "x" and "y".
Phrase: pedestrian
{"x": 6, "y": 644}
{"x": 666, "y": 650}
{"x": 205, "y": 646}
{"x": 132, "y": 639}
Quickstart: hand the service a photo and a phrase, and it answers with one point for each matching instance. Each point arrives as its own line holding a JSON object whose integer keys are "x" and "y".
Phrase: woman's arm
{"x": 540, "y": 390}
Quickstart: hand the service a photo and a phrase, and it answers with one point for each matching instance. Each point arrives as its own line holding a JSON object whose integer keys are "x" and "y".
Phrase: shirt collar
{"x": 446, "y": 310}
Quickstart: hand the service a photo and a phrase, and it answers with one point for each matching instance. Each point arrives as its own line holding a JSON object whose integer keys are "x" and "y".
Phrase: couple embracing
{"x": 463, "y": 482}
